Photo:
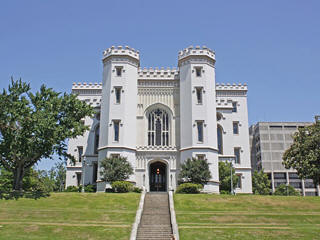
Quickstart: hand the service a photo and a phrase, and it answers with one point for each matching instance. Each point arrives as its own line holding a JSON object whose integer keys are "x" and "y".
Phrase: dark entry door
{"x": 158, "y": 177}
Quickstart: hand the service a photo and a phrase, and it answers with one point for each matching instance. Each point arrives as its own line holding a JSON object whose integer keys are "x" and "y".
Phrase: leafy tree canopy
{"x": 225, "y": 177}
{"x": 304, "y": 153}
{"x": 260, "y": 183}
{"x": 35, "y": 126}
{"x": 115, "y": 169}
{"x": 284, "y": 190}
{"x": 195, "y": 170}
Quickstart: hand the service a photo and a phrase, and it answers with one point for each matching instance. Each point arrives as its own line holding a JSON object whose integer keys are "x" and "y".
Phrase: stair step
{"x": 155, "y": 220}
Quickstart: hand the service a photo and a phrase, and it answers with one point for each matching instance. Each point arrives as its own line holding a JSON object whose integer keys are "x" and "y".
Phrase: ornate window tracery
{"x": 158, "y": 128}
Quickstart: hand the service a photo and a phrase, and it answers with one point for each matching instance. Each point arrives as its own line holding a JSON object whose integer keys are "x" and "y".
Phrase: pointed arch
{"x": 220, "y": 138}
{"x": 96, "y": 138}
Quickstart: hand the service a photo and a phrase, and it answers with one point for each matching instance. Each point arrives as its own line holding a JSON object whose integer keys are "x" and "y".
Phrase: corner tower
{"x": 198, "y": 126}
{"x": 118, "y": 106}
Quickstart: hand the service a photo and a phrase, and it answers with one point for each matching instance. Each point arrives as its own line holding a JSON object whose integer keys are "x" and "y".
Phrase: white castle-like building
{"x": 158, "y": 118}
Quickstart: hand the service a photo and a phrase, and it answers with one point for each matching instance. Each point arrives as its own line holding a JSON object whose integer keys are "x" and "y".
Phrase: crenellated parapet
{"x": 231, "y": 90}
{"x": 234, "y": 86}
{"x": 196, "y": 52}
{"x": 85, "y": 85}
{"x": 121, "y": 51}
{"x": 158, "y": 73}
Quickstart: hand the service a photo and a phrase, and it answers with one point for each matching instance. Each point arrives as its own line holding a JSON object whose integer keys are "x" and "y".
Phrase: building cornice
{"x": 117, "y": 147}
{"x": 198, "y": 147}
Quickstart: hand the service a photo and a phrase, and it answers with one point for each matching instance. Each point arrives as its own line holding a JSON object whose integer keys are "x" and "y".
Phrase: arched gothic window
{"x": 96, "y": 139}
{"x": 158, "y": 128}
{"x": 220, "y": 139}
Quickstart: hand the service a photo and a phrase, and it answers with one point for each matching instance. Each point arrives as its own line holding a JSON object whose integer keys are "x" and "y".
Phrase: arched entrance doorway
{"x": 158, "y": 177}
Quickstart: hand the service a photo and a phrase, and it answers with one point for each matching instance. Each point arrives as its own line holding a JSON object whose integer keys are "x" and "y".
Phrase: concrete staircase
{"x": 155, "y": 221}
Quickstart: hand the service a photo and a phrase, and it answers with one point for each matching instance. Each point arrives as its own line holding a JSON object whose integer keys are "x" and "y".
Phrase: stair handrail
{"x": 174, "y": 225}
{"x": 136, "y": 223}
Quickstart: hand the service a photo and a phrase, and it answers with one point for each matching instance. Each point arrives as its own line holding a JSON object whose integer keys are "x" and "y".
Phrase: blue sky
{"x": 273, "y": 46}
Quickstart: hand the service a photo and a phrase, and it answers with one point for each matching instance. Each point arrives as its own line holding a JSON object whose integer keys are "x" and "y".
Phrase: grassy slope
{"x": 247, "y": 217}
{"x": 69, "y": 216}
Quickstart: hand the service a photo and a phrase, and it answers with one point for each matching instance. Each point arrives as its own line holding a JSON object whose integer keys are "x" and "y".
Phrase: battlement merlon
{"x": 234, "y": 86}
{"x": 197, "y": 51}
{"x": 85, "y": 85}
{"x": 121, "y": 51}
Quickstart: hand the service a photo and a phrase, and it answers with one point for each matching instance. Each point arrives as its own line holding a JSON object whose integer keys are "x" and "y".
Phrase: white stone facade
{"x": 158, "y": 118}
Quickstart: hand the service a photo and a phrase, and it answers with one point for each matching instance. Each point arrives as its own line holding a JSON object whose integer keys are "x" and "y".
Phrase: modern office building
{"x": 268, "y": 141}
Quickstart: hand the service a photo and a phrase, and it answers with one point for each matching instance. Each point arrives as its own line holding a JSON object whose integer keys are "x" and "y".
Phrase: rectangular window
{"x": 199, "y": 95}
{"x": 200, "y": 131}
{"x": 80, "y": 152}
{"x": 119, "y": 71}
{"x": 234, "y": 106}
{"x": 198, "y": 71}
{"x": 116, "y": 124}
{"x": 114, "y": 155}
{"x": 95, "y": 172}
{"x": 237, "y": 155}
{"x": 239, "y": 183}
{"x": 78, "y": 178}
{"x": 201, "y": 156}
{"x": 235, "y": 127}
{"x": 118, "y": 94}
{"x": 116, "y": 130}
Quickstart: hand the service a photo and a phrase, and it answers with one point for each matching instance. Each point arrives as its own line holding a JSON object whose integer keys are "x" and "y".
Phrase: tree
{"x": 33, "y": 181}
{"x": 225, "y": 177}
{"x": 304, "y": 154}
{"x": 284, "y": 190}
{"x": 35, "y": 126}
{"x": 58, "y": 175}
{"x": 260, "y": 183}
{"x": 195, "y": 170}
{"x": 115, "y": 169}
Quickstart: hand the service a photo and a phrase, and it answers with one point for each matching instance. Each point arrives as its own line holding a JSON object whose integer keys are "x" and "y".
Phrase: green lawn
{"x": 69, "y": 216}
{"x": 205, "y": 216}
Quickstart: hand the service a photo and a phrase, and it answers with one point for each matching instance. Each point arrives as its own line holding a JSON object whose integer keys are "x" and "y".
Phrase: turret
{"x": 198, "y": 126}
{"x": 118, "y": 106}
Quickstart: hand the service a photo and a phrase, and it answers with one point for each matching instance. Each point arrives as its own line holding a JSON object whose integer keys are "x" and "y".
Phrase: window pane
{"x": 199, "y": 95}
{"x": 220, "y": 140}
{"x": 116, "y": 131}
{"x": 235, "y": 128}
{"x": 237, "y": 155}
{"x": 234, "y": 106}
{"x": 118, "y": 95}
{"x": 200, "y": 131}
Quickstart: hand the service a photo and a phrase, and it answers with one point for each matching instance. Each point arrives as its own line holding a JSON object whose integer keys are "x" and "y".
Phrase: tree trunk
{"x": 17, "y": 178}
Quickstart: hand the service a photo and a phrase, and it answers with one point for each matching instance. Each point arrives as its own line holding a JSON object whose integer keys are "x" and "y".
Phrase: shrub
{"x": 122, "y": 186}
{"x": 284, "y": 190}
{"x": 115, "y": 169}
{"x": 224, "y": 192}
{"x": 137, "y": 190}
{"x": 195, "y": 170}
{"x": 90, "y": 188}
{"x": 189, "y": 188}
{"x": 72, "y": 189}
